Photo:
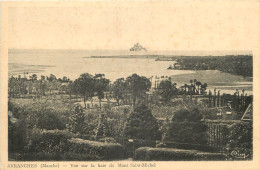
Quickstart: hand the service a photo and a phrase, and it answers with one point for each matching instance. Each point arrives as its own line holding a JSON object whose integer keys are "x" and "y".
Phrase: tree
{"x": 71, "y": 89}
{"x": 42, "y": 85}
{"x": 53, "y": 85}
{"x": 85, "y": 86}
{"x": 203, "y": 88}
{"x": 33, "y": 77}
{"x": 167, "y": 90}
{"x": 77, "y": 121}
{"x": 16, "y": 135}
{"x": 191, "y": 87}
{"x": 142, "y": 125}
{"x": 103, "y": 129}
{"x": 119, "y": 89}
{"x": 185, "y": 87}
{"x": 137, "y": 86}
{"x": 51, "y": 78}
{"x": 12, "y": 86}
{"x": 42, "y": 78}
{"x": 101, "y": 85}
{"x": 65, "y": 79}
{"x": 187, "y": 127}
{"x": 198, "y": 84}
{"x": 23, "y": 87}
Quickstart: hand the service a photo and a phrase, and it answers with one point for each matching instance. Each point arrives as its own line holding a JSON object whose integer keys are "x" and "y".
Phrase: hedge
{"x": 187, "y": 146}
{"x": 48, "y": 140}
{"x": 43, "y": 145}
{"x": 167, "y": 154}
{"x": 56, "y": 145}
{"x": 92, "y": 150}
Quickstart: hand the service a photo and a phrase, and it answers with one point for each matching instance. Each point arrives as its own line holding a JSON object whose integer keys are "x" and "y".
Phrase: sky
{"x": 162, "y": 26}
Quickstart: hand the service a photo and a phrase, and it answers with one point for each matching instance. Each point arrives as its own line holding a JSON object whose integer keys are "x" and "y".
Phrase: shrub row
{"x": 93, "y": 150}
{"x": 167, "y": 154}
{"x": 62, "y": 145}
{"x": 188, "y": 146}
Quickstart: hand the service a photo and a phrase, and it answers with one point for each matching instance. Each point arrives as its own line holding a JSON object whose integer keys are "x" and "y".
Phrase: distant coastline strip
{"x": 136, "y": 56}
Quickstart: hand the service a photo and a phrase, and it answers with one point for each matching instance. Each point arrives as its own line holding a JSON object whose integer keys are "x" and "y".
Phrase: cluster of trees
{"x": 133, "y": 90}
{"x": 134, "y": 86}
{"x": 89, "y": 86}
{"x": 196, "y": 87}
{"x": 234, "y": 64}
{"x": 168, "y": 89}
{"x": 18, "y": 86}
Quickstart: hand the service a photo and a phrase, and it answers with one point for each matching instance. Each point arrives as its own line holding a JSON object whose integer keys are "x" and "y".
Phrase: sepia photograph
{"x": 130, "y": 81}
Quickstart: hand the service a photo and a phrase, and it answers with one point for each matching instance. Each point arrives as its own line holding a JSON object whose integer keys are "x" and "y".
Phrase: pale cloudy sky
{"x": 188, "y": 25}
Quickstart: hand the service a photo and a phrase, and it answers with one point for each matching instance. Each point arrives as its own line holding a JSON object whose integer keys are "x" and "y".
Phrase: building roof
{"x": 248, "y": 115}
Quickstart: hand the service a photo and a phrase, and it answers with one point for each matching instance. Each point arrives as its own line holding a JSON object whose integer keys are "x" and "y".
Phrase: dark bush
{"x": 49, "y": 141}
{"x": 16, "y": 135}
{"x": 43, "y": 145}
{"x": 50, "y": 121}
{"x": 142, "y": 125}
{"x": 187, "y": 127}
{"x": 77, "y": 122}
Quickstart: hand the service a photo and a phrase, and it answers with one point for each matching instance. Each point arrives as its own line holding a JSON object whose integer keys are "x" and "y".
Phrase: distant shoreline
{"x": 133, "y": 56}
{"x": 163, "y": 57}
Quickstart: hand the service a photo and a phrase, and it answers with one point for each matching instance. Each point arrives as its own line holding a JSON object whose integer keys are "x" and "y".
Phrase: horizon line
{"x": 156, "y": 52}
{"x": 129, "y": 51}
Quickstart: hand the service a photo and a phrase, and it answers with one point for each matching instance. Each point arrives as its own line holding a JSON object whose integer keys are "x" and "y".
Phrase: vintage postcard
{"x": 130, "y": 84}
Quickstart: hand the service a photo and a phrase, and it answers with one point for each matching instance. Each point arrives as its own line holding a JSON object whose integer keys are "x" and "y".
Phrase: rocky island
{"x": 138, "y": 47}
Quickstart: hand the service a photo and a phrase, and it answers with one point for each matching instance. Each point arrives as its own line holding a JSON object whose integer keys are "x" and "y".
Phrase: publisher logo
{"x": 240, "y": 153}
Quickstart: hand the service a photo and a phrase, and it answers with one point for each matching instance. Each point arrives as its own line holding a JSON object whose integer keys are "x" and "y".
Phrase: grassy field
{"x": 217, "y": 79}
